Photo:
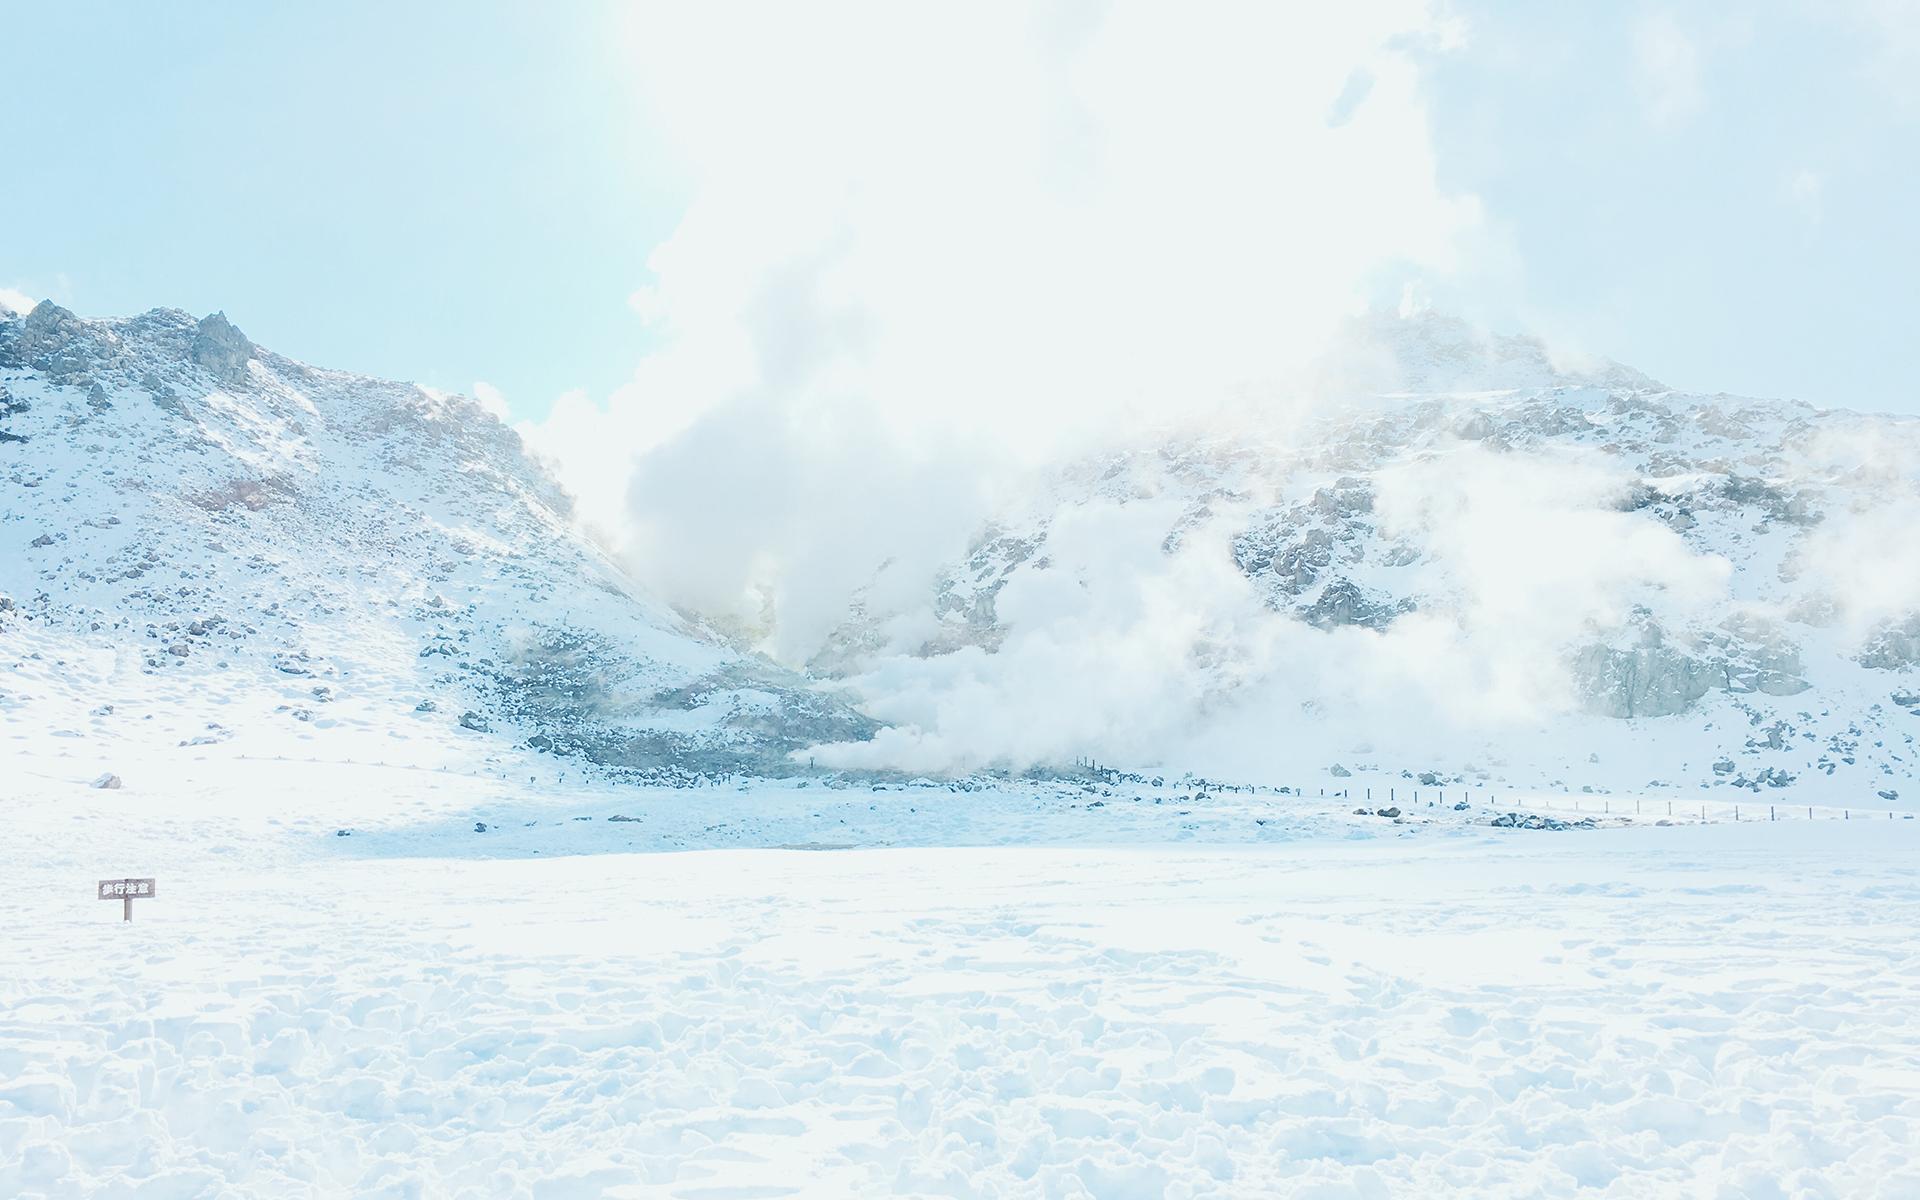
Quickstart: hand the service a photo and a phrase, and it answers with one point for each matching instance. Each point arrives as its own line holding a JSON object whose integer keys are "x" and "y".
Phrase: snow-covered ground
{"x": 1010, "y": 991}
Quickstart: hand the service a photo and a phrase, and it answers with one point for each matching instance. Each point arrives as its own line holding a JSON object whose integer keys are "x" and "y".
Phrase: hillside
{"x": 1466, "y": 562}
{"x": 205, "y": 541}
{"x": 1475, "y": 563}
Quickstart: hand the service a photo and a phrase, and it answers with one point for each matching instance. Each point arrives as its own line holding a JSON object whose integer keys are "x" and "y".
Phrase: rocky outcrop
{"x": 51, "y": 340}
{"x": 1648, "y": 680}
{"x": 1894, "y": 646}
{"x": 221, "y": 350}
{"x": 1658, "y": 678}
{"x": 1290, "y": 550}
{"x": 1343, "y": 602}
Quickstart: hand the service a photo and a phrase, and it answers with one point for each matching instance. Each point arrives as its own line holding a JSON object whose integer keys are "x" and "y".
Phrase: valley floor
{"x": 1322, "y": 1004}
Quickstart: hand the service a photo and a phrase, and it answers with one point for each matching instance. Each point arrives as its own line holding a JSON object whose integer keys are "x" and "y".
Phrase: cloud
{"x": 1666, "y": 69}
{"x": 931, "y": 249}
{"x": 1861, "y": 563}
{"x": 1892, "y": 31}
{"x": 1805, "y": 190}
{"x": 15, "y": 300}
{"x": 490, "y": 398}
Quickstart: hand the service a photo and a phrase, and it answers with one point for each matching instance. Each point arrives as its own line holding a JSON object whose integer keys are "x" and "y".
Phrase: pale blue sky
{"x": 453, "y": 193}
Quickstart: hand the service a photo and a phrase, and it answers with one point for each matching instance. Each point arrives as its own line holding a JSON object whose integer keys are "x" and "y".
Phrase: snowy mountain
{"x": 1470, "y": 560}
{"x": 1479, "y": 563}
{"x": 205, "y": 541}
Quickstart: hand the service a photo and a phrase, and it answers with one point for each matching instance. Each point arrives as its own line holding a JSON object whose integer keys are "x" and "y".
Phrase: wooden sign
{"x": 126, "y": 891}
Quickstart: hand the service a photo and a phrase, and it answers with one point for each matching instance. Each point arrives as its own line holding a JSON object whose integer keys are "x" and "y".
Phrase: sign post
{"x": 125, "y": 891}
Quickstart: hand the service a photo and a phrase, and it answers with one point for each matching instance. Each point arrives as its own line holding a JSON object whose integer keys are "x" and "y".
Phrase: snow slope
{"x": 205, "y": 541}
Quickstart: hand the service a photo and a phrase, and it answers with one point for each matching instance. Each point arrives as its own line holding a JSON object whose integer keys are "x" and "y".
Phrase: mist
{"x": 937, "y": 263}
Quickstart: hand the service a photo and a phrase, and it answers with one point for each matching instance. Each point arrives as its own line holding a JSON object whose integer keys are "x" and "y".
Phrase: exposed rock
{"x": 10, "y": 406}
{"x": 1895, "y": 646}
{"x": 49, "y": 339}
{"x": 1515, "y": 820}
{"x": 1338, "y": 771}
{"x": 108, "y": 781}
{"x": 1650, "y": 680}
{"x": 222, "y": 350}
{"x": 1343, "y": 602}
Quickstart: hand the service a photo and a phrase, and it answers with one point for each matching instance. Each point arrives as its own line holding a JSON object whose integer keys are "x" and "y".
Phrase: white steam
{"x": 933, "y": 252}
{"x": 931, "y": 247}
{"x": 1125, "y": 652}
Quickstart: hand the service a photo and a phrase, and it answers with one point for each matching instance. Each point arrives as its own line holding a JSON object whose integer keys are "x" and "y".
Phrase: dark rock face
{"x": 222, "y": 350}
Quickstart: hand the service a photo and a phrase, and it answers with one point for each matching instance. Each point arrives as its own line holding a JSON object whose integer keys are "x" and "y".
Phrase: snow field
{"x": 1711, "y": 1010}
